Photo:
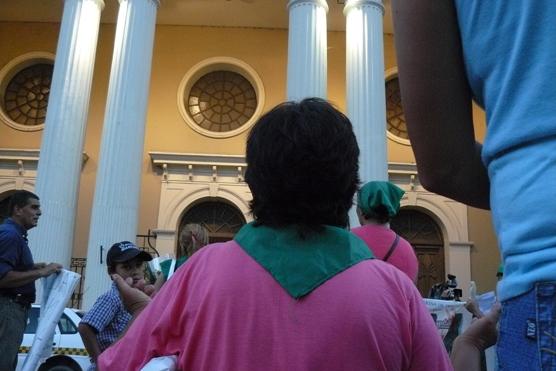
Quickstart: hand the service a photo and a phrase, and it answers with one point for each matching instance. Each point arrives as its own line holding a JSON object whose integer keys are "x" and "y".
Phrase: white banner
{"x": 56, "y": 292}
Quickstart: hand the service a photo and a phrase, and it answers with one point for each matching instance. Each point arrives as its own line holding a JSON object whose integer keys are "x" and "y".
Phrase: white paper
{"x": 486, "y": 301}
{"x": 55, "y": 293}
{"x": 172, "y": 268}
{"x": 444, "y": 313}
{"x": 166, "y": 363}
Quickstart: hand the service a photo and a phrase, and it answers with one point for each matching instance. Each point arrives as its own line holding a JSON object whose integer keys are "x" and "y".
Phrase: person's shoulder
{"x": 215, "y": 251}
{"x": 7, "y": 228}
{"x": 373, "y": 230}
{"x": 406, "y": 246}
{"x": 213, "y": 257}
{"x": 387, "y": 275}
{"x": 357, "y": 230}
{"x": 9, "y": 234}
{"x": 106, "y": 302}
{"x": 110, "y": 296}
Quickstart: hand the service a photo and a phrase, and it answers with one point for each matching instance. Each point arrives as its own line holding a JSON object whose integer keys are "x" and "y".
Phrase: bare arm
{"x": 90, "y": 341}
{"x": 16, "y": 278}
{"x": 437, "y": 100}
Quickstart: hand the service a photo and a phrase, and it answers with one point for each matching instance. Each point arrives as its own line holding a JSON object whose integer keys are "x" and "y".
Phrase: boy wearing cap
{"x": 107, "y": 319}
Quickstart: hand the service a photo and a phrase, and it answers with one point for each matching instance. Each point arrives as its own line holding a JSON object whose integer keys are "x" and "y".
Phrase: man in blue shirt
{"x": 18, "y": 274}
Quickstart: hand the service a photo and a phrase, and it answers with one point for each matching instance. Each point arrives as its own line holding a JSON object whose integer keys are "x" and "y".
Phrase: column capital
{"x": 321, "y": 3}
{"x": 99, "y": 3}
{"x": 352, "y": 4}
{"x": 156, "y": 2}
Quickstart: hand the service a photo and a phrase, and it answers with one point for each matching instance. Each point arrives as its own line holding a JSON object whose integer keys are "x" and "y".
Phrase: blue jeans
{"x": 527, "y": 338}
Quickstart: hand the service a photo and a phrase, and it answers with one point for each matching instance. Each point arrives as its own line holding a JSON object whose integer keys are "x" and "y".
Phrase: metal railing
{"x": 78, "y": 266}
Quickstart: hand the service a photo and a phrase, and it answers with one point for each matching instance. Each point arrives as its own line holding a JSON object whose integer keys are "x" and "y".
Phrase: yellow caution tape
{"x": 60, "y": 351}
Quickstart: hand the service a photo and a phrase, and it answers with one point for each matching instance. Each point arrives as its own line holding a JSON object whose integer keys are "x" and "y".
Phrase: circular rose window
{"x": 221, "y": 101}
{"x": 25, "y": 89}
{"x": 26, "y": 96}
{"x": 220, "y": 97}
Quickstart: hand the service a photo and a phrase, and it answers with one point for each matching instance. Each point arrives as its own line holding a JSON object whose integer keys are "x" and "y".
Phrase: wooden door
{"x": 424, "y": 234}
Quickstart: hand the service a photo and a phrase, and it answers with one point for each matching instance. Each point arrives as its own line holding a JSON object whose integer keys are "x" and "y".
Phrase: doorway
{"x": 424, "y": 234}
{"x": 221, "y": 219}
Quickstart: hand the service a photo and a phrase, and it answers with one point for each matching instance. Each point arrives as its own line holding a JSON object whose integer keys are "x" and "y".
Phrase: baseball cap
{"x": 124, "y": 251}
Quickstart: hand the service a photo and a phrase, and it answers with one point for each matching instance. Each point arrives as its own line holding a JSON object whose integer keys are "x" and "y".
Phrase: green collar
{"x": 301, "y": 265}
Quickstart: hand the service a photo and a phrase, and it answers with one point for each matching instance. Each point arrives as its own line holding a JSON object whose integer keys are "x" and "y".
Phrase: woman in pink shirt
{"x": 294, "y": 290}
{"x": 377, "y": 203}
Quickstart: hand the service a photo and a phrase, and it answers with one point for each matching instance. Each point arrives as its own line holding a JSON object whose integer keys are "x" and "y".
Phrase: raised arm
{"x": 437, "y": 100}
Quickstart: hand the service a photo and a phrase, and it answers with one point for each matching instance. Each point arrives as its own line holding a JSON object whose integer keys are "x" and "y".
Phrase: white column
{"x": 61, "y": 156}
{"x": 116, "y": 201}
{"x": 366, "y": 103}
{"x": 307, "y": 48}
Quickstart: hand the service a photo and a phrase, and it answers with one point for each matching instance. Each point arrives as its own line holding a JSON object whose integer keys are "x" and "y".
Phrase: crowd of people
{"x": 296, "y": 289}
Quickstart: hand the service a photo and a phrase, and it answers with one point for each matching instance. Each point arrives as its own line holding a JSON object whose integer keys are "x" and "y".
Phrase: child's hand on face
{"x": 135, "y": 296}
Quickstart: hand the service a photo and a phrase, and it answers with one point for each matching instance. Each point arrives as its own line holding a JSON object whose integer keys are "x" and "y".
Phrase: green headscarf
{"x": 377, "y": 193}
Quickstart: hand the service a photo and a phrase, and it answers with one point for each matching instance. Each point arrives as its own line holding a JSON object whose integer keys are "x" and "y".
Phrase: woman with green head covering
{"x": 377, "y": 203}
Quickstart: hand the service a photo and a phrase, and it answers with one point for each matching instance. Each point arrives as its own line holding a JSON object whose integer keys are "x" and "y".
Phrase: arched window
{"x": 425, "y": 236}
{"x": 395, "y": 117}
{"x": 221, "y": 219}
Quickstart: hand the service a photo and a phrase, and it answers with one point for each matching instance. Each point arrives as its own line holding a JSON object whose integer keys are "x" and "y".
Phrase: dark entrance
{"x": 221, "y": 219}
{"x": 426, "y": 238}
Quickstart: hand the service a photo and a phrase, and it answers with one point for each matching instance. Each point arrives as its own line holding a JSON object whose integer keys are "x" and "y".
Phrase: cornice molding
{"x": 352, "y": 4}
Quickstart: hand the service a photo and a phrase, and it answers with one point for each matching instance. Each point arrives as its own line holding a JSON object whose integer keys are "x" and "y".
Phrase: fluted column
{"x": 366, "y": 103}
{"x": 116, "y": 201}
{"x": 307, "y": 48}
{"x": 61, "y": 158}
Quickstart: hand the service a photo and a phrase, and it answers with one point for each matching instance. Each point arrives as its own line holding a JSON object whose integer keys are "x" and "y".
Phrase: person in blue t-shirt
{"x": 500, "y": 54}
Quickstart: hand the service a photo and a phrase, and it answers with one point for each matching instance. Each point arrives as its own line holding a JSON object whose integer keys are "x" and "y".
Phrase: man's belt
{"x": 23, "y": 300}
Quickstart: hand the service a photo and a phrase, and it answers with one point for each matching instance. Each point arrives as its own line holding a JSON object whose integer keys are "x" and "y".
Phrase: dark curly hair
{"x": 302, "y": 166}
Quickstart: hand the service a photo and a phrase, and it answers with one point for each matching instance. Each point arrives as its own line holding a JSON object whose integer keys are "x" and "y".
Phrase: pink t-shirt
{"x": 379, "y": 238}
{"x": 223, "y": 311}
